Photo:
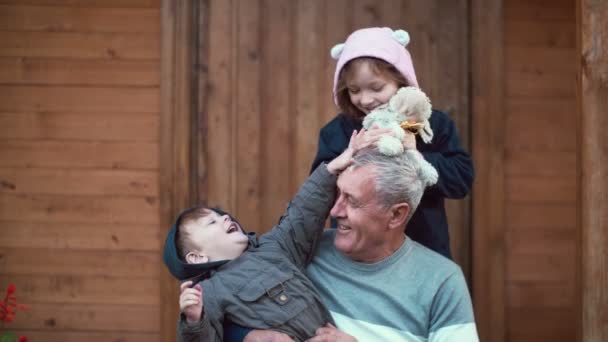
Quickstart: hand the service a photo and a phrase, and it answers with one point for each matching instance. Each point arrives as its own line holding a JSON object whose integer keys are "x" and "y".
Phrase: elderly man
{"x": 378, "y": 284}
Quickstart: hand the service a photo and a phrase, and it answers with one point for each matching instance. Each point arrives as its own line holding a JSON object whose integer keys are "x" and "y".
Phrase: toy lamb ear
{"x": 402, "y": 37}
{"x": 336, "y": 51}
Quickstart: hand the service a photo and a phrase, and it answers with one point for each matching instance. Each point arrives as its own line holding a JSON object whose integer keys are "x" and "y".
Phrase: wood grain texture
{"x": 540, "y": 170}
{"x": 89, "y": 336}
{"x": 78, "y": 182}
{"x": 488, "y": 144}
{"x": 79, "y": 126}
{"x": 593, "y": 150}
{"x": 83, "y": 19}
{"x": 221, "y": 115}
{"x": 79, "y": 72}
{"x": 277, "y": 108}
{"x": 88, "y": 3}
{"x": 306, "y": 123}
{"x": 78, "y": 99}
{"x": 80, "y": 154}
{"x": 177, "y": 143}
{"x": 26, "y": 261}
{"x": 97, "y": 317}
{"x": 249, "y": 135}
{"x": 84, "y": 289}
{"x": 79, "y": 45}
{"x": 79, "y": 170}
{"x": 80, "y": 235}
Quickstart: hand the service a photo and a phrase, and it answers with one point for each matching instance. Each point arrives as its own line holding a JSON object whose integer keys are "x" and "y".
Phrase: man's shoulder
{"x": 428, "y": 259}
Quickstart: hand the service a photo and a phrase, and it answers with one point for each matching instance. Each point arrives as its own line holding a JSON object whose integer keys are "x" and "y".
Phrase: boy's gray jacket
{"x": 266, "y": 287}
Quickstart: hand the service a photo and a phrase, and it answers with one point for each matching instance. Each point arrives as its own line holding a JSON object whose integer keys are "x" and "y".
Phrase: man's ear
{"x": 196, "y": 258}
{"x": 399, "y": 213}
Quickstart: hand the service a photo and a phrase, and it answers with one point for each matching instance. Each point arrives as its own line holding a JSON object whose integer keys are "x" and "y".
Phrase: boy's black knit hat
{"x": 178, "y": 267}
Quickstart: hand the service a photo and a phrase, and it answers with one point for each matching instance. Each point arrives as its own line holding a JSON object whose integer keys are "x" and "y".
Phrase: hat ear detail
{"x": 336, "y": 51}
{"x": 402, "y": 37}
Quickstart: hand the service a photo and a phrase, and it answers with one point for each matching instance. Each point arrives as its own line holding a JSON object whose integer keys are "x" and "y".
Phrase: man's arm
{"x": 452, "y": 316}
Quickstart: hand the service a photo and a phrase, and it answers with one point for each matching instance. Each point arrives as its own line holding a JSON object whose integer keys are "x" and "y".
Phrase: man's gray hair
{"x": 398, "y": 178}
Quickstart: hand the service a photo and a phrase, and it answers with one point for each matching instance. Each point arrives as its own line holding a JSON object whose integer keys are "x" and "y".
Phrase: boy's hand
{"x": 191, "y": 301}
{"x": 358, "y": 141}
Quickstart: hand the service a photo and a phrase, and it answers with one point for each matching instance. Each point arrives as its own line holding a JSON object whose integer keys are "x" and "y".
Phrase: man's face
{"x": 218, "y": 237}
{"x": 362, "y": 233}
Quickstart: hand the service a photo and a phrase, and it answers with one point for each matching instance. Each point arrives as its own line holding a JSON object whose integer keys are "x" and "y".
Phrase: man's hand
{"x": 329, "y": 333}
{"x": 267, "y": 336}
{"x": 191, "y": 301}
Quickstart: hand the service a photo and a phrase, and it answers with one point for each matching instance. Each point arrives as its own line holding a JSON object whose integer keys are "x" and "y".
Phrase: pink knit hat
{"x": 378, "y": 42}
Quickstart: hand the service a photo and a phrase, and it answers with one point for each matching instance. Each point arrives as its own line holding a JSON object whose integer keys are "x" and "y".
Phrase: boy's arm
{"x": 301, "y": 225}
{"x": 194, "y": 325}
{"x": 203, "y": 331}
{"x": 303, "y": 221}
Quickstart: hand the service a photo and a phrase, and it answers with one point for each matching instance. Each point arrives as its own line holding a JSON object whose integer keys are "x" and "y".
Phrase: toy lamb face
{"x": 410, "y": 109}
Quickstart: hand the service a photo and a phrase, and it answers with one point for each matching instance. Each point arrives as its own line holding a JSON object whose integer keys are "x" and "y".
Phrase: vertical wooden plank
{"x": 488, "y": 149}
{"x": 451, "y": 78}
{"x": 276, "y": 108}
{"x": 336, "y": 32}
{"x": 593, "y": 217}
{"x": 420, "y": 21}
{"x": 177, "y": 23}
{"x": 220, "y": 101}
{"x": 307, "y": 104}
{"x": 248, "y": 113}
{"x": 202, "y": 86}
{"x": 168, "y": 289}
{"x": 391, "y": 14}
{"x": 366, "y": 13}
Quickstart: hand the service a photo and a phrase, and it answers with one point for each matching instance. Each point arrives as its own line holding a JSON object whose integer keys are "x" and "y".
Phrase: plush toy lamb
{"x": 409, "y": 109}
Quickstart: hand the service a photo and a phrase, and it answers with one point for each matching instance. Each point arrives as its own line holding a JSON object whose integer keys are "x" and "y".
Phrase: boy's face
{"x": 216, "y": 238}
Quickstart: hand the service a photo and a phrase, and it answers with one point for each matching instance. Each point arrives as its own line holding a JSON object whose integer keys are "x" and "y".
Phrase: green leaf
{"x": 8, "y": 337}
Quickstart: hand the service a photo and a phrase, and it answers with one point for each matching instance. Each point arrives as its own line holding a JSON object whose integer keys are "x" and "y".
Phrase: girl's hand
{"x": 409, "y": 140}
{"x": 191, "y": 301}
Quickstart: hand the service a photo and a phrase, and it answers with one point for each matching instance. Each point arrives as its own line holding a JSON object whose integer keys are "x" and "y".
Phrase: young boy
{"x": 255, "y": 283}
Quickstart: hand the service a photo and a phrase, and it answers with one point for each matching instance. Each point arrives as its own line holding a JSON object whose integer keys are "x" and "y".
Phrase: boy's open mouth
{"x": 232, "y": 229}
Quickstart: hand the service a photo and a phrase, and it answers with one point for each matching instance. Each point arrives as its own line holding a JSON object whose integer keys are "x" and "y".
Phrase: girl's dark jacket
{"x": 429, "y": 224}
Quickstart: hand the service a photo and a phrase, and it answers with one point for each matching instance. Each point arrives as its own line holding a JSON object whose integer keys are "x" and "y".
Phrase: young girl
{"x": 372, "y": 65}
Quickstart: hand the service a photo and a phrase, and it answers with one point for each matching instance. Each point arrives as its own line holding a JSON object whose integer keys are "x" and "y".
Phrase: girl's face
{"x": 368, "y": 90}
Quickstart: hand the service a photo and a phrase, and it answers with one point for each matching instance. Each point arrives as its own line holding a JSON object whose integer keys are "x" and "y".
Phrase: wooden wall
{"x": 540, "y": 170}
{"x": 79, "y": 161}
{"x": 529, "y": 292}
{"x": 592, "y": 28}
{"x": 79, "y": 146}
